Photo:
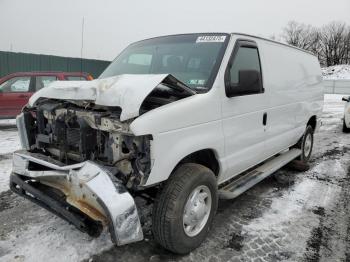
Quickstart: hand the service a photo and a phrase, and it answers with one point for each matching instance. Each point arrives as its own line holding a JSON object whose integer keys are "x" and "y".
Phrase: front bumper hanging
{"x": 83, "y": 194}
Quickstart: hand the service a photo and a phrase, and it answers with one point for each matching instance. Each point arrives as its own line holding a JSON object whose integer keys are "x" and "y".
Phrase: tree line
{"x": 330, "y": 43}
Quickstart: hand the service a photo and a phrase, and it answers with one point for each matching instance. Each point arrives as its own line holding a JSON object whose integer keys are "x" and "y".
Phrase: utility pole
{"x": 8, "y": 59}
{"x": 82, "y": 44}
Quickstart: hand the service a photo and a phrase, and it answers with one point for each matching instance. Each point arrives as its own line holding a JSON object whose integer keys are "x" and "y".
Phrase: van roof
{"x": 235, "y": 33}
{"x": 274, "y": 41}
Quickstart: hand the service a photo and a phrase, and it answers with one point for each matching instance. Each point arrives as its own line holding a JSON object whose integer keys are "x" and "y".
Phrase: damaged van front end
{"x": 83, "y": 194}
{"x": 79, "y": 158}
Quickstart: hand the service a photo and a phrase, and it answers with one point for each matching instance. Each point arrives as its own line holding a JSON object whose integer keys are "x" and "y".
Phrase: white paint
{"x": 232, "y": 127}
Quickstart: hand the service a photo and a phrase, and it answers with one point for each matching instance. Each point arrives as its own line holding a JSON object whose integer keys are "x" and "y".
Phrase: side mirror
{"x": 249, "y": 82}
{"x": 346, "y": 98}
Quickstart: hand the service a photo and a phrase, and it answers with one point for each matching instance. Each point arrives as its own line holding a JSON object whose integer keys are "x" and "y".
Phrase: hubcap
{"x": 307, "y": 145}
{"x": 197, "y": 210}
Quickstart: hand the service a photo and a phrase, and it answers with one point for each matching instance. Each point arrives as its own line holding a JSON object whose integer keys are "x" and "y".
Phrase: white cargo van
{"x": 183, "y": 120}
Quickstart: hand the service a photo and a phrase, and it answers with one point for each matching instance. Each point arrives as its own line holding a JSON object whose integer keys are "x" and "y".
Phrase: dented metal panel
{"x": 88, "y": 187}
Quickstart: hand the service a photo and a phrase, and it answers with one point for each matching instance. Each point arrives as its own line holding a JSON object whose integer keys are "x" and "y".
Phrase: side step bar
{"x": 248, "y": 180}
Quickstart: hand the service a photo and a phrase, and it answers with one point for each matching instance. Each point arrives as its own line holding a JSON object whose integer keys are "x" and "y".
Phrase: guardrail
{"x": 340, "y": 86}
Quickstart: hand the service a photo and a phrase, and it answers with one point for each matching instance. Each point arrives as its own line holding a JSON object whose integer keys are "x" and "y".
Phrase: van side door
{"x": 286, "y": 86}
{"x": 243, "y": 110}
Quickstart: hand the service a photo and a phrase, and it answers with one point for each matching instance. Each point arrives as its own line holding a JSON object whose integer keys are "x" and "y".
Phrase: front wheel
{"x": 184, "y": 209}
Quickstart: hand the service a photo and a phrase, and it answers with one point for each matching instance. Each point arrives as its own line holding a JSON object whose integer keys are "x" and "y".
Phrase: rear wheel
{"x": 185, "y": 208}
{"x": 305, "y": 144}
{"x": 345, "y": 128}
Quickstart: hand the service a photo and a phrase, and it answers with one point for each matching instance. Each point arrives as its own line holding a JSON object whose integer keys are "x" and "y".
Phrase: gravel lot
{"x": 293, "y": 216}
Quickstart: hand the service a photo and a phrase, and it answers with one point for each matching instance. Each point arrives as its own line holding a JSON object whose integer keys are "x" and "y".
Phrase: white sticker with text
{"x": 211, "y": 39}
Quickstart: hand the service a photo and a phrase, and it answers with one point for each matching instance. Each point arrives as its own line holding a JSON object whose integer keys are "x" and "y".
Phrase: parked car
{"x": 346, "y": 119}
{"x": 181, "y": 120}
{"x": 17, "y": 88}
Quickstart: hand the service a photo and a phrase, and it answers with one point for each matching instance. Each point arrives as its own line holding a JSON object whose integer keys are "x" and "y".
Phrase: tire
{"x": 305, "y": 144}
{"x": 345, "y": 128}
{"x": 169, "y": 217}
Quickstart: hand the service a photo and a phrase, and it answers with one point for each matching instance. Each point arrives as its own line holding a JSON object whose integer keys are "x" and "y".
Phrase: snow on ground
{"x": 52, "y": 241}
{"x": 333, "y": 111}
{"x": 291, "y": 213}
{"x": 7, "y": 122}
{"x": 5, "y": 170}
{"x": 336, "y": 72}
{"x": 9, "y": 141}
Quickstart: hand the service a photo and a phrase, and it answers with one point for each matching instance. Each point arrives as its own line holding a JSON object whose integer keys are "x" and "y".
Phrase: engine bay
{"x": 71, "y": 134}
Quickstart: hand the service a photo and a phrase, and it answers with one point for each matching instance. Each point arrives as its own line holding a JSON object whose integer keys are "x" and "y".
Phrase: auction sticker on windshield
{"x": 211, "y": 39}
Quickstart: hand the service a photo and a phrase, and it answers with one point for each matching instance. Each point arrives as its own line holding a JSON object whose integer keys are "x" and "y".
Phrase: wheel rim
{"x": 307, "y": 145}
{"x": 197, "y": 210}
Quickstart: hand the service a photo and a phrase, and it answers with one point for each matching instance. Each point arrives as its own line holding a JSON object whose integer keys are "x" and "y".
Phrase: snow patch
{"x": 5, "y": 171}
{"x": 56, "y": 240}
{"x": 9, "y": 141}
{"x": 295, "y": 205}
{"x": 7, "y": 122}
{"x": 336, "y": 72}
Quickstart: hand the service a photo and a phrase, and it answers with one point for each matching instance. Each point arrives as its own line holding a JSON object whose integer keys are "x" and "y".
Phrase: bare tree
{"x": 346, "y": 58}
{"x": 301, "y": 35}
{"x": 331, "y": 43}
{"x": 332, "y": 40}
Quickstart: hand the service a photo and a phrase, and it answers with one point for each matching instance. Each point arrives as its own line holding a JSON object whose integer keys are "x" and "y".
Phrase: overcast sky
{"x": 54, "y": 26}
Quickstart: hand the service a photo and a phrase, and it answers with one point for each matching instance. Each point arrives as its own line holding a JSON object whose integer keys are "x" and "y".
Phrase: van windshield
{"x": 194, "y": 59}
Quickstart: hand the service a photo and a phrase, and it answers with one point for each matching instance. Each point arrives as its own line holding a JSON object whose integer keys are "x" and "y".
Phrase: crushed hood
{"x": 124, "y": 91}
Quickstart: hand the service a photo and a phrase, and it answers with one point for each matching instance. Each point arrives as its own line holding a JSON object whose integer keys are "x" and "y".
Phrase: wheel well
{"x": 205, "y": 157}
{"x": 312, "y": 122}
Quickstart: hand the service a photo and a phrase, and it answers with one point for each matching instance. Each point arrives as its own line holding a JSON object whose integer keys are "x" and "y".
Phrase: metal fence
{"x": 339, "y": 86}
{"x": 11, "y": 62}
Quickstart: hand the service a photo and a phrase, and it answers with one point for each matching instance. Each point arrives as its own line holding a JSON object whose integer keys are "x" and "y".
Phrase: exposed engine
{"x": 70, "y": 133}
{"x": 71, "y": 123}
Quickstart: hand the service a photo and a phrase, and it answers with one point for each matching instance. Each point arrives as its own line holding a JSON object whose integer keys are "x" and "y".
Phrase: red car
{"x": 17, "y": 88}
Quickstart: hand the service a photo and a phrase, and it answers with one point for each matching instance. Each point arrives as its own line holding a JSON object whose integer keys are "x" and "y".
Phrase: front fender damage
{"x": 86, "y": 195}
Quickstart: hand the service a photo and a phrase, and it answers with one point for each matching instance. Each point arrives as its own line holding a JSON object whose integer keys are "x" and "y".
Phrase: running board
{"x": 248, "y": 180}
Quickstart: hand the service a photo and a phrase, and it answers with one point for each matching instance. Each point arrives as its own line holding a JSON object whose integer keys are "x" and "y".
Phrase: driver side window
{"x": 246, "y": 58}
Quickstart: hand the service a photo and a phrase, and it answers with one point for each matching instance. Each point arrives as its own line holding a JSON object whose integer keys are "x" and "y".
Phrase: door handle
{"x": 23, "y": 96}
{"x": 265, "y": 119}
